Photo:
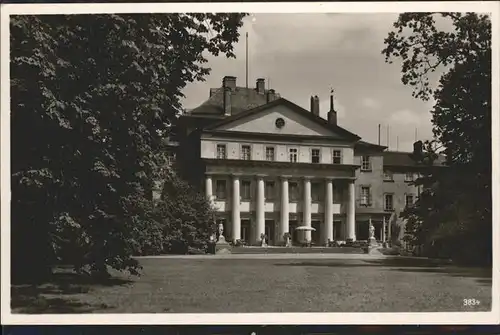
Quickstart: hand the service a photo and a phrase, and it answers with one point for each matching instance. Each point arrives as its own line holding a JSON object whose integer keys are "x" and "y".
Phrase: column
{"x": 351, "y": 213}
{"x": 236, "y": 220}
{"x": 284, "y": 213}
{"x": 208, "y": 187}
{"x": 328, "y": 224}
{"x": 389, "y": 229}
{"x": 383, "y": 229}
{"x": 260, "y": 209}
{"x": 306, "y": 210}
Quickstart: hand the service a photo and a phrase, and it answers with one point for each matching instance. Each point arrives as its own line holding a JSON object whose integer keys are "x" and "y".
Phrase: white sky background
{"x": 306, "y": 54}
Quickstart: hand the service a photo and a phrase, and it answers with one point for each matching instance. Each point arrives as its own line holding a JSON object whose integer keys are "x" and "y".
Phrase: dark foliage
{"x": 452, "y": 217}
{"x": 92, "y": 97}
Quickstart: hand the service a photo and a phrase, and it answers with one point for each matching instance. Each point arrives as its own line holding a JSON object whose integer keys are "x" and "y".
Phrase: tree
{"x": 92, "y": 96}
{"x": 455, "y": 207}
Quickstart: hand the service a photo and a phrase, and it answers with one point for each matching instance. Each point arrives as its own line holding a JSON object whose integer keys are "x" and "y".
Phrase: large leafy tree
{"x": 455, "y": 207}
{"x": 92, "y": 96}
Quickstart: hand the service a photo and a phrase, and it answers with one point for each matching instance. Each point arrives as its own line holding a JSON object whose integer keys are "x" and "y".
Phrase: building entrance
{"x": 292, "y": 224}
{"x": 245, "y": 230}
{"x": 269, "y": 232}
{"x": 316, "y": 234}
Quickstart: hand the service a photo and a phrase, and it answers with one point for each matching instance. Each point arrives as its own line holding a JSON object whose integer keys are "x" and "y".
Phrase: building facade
{"x": 270, "y": 166}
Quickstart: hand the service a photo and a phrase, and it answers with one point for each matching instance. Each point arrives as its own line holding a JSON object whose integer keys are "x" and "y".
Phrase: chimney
{"x": 271, "y": 95}
{"x": 230, "y": 82}
{"x": 315, "y": 105}
{"x": 332, "y": 114}
{"x": 227, "y": 101}
{"x": 261, "y": 86}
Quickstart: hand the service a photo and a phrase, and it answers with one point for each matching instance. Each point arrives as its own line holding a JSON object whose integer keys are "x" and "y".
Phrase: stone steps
{"x": 295, "y": 250}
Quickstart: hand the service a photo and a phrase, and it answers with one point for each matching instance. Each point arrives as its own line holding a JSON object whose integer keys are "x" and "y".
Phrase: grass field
{"x": 265, "y": 285}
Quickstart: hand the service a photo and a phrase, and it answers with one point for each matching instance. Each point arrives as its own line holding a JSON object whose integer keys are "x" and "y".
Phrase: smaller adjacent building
{"x": 269, "y": 166}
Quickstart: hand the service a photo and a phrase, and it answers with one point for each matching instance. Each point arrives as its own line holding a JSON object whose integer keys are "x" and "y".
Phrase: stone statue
{"x": 221, "y": 229}
{"x": 263, "y": 240}
{"x": 287, "y": 239}
{"x": 371, "y": 231}
{"x": 221, "y": 239}
{"x": 371, "y": 234}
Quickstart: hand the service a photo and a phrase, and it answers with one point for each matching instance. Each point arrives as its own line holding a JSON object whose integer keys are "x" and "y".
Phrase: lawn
{"x": 266, "y": 285}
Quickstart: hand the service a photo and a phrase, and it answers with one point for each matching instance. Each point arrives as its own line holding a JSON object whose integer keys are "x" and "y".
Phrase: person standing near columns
{"x": 284, "y": 209}
{"x": 260, "y": 209}
{"x": 351, "y": 213}
{"x": 236, "y": 220}
{"x": 328, "y": 224}
{"x": 307, "y": 208}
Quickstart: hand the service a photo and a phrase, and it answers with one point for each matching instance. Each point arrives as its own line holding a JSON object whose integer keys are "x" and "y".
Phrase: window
{"x": 220, "y": 189}
{"x": 221, "y": 151}
{"x": 388, "y": 176}
{"x": 409, "y": 176}
{"x": 246, "y": 152}
{"x": 293, "y": 191}
{"x": 366, "y": 163}
{"x": 315, "y": 154}
{"x": 409, "y": 200}
{"x": 269, "y": 153}
{"x": 388, "y": 202}
{"x": 269, "y": 190}
{"x": 337, "y": 157}
{"x": 245, "y": 190}
{"x": 365, "y": 196}
{"x": 316, "y": 192}
{"x": 293, "y": 154}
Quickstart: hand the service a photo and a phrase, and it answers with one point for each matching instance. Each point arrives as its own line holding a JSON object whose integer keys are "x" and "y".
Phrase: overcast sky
{"x": 306, "y": 54}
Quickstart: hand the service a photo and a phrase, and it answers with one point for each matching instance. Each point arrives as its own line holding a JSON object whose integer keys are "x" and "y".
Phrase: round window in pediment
{"x": 280, "y": 123}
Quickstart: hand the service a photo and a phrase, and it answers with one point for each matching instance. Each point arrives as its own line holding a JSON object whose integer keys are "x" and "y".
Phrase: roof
{"x": 282, "y": 101}
{"x": 370, "y": 146}
{"x": 403, "y": 158}
{"x": 242, "y": 99}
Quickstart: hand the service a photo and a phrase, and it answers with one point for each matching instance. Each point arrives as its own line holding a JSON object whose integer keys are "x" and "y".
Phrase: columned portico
{"x": 284, "y": 213}
{"x": 260, "y": 209}
{"x": 236, "y": 219}
{"x": 351, "y": 214}
{"x": 328, "y": 223}
{"x": 307, "y": 207}
{"x": 252, "y": 216}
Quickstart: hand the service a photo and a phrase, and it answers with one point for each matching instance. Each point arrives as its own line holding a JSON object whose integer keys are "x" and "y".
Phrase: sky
{"x": 301, "y": 55}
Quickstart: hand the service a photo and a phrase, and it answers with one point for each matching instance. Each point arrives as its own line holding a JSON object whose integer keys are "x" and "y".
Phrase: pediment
{"x": 281, "y": 119}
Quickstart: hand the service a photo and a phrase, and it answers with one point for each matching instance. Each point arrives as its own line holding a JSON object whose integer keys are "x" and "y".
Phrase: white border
{"x": 492, "y": 317}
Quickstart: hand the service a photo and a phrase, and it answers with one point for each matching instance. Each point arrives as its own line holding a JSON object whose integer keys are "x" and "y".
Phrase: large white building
{"x": 270, "y": 166}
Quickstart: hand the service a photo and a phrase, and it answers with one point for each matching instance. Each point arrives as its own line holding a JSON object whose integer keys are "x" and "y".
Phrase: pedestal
{"x": 222, "y": 247}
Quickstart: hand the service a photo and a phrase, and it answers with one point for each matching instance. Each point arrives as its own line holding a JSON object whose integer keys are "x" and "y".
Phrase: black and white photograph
{"x": 206, "y": 162}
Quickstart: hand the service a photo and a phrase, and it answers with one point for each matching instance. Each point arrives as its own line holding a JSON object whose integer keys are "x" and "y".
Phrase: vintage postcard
{"x": 250, "y": 163}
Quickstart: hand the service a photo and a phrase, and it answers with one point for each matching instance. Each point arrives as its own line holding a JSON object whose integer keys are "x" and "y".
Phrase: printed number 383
{"x": 471, "y": 302}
